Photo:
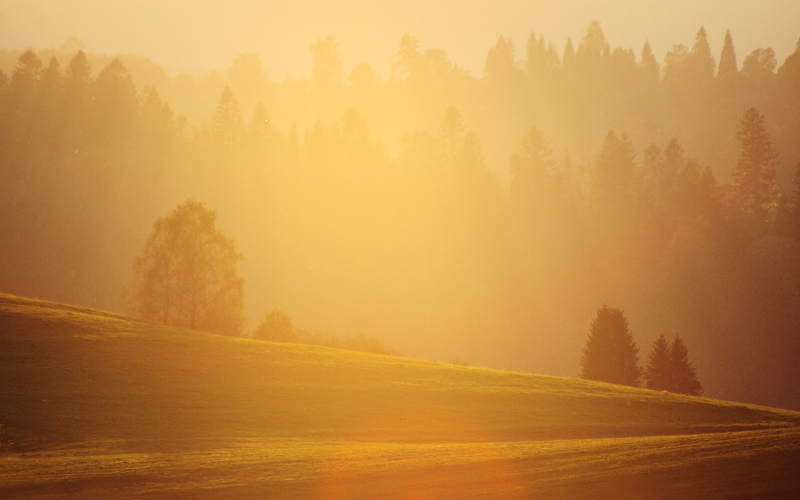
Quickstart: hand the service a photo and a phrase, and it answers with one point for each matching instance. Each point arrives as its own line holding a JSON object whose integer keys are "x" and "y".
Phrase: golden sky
{"x": 205, "y": 34}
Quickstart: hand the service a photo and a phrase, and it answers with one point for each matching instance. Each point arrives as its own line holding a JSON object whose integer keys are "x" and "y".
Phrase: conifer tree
{"x": 227, "y": 123}
{"x": 649, "y": 66}
{"x": 613, "y": 175}
{"x": 669, "y": 369}
{"x": 657, "y": 374}
{"x": 611, "y": 354}
{"x": 568, "y": 59}
{"x": 683, "y": 374}
{"x": 727, "y": 60}
{"x": 701, "y": 58}
{"x": 500, "y": 63}
{"x": 754, "y": 175}
{"x": 327, "y": 70}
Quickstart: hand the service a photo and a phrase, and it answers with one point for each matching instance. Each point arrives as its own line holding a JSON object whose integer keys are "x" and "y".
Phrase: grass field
{"x": 96, "y": 405}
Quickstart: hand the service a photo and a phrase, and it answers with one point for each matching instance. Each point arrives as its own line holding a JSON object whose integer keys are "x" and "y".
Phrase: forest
{"x": 449, "y": 215}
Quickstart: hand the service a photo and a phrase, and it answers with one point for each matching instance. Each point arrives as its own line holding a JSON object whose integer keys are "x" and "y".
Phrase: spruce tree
{"x": 701, "y": 58}
{"x": 659, "y": 364}
{"x": 611, "y": 354}
{"x": 649, "y": 66}
{"x": 683, "y": 374}
{"x": 727, "y": 60}
{"x": 754, "y": 175}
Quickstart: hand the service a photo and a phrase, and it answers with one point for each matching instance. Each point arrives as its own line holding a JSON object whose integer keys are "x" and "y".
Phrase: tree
{"x": 227, "y": 123}
{"x": 611, "y": 354}
{"x": 727, "y": 60}
{"x": 500, "y": 63}
{"x": 701, "y": 59}
{"x": 669, "y": 369}
{"x": 649, "y": 66}
{"x": 327, "y": 70}
{"x": 657, "y": 372}
{"x": 683, "y": 375}
{"x": 186, "y": 274}
{"x": 115, "y": 102}
{"x": 754, "y": 175}
{"x": 408, "y": 56}
{"x": 530, "y": 165}
{"x": 275, "y": 327}
{"x": 613, "y": 175}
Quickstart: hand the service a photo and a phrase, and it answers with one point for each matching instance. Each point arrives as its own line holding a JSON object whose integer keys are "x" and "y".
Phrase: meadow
{"x": 98, "y": 405}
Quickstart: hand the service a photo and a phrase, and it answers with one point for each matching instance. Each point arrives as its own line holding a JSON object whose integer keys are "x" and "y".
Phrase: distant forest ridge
{"x": 574, "y": 95}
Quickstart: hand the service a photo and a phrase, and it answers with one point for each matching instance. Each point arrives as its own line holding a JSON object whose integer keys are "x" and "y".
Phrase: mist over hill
{"x": 420, "y": 208}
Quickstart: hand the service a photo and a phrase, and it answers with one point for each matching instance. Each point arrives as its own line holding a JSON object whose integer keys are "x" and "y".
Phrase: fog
{"x": 479, "y": 211}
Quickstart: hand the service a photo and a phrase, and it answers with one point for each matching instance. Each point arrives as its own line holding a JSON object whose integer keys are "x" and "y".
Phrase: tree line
{"x": 424, "y": 239}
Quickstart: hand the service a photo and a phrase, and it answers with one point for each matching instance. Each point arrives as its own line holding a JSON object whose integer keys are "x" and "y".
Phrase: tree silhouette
{"x": 186, "y": 274}
{"x": 683, "y": 376}
{"x": 669, "y": 369}
{"x": 657, "y": 373}
{"x": 275, "y": 327}
{"x": 727, "y": 60}
{"x": 408, "y": 55}
{"x": 754, "y": 175}
{"x": 611, "y": 354}
{"x": 227, "y": 124}
{"x": 500, "y": 63}
{"x": 701, "y": 59}
{"x": 327, "y": 70}
{"x": 613, "y": 177}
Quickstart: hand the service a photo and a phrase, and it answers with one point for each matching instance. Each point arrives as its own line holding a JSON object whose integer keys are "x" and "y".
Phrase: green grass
{"x": 99, "y": 405}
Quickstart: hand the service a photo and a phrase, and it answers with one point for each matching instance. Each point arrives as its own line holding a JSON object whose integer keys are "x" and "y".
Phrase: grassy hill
{"x": 97, "y": 405}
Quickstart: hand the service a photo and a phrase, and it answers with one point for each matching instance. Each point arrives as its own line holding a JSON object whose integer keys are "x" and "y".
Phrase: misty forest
{"x": 447, "y": 215}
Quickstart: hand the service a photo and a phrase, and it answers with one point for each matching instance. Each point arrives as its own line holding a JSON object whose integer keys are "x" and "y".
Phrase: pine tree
{"x": 683, "y": 374}
{"x": 227, "y": 124}
{"x": 657, "y": 372}
{"x": 727, "y": 60}
{"x": 611, "y": 354}
{"x": 669, "y": 369}
{"x": 500, "y": 63}
{"x": 649, "y": 66}
{"x": 327, "y": 71}
{"x": 754, "y": 175}
{"x": 613, "y": 175}
{"x": 701, "y": 58}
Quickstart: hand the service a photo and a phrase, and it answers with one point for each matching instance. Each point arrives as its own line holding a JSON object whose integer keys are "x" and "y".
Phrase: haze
{"x": 450, "y": 178}
{"x": 205, "y": 34}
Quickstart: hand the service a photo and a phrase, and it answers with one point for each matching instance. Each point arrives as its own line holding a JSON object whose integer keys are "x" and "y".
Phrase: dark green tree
{"x": 754, "y": 175}
{"x": 186, "y": 274}
{"x": 611, "y": 354}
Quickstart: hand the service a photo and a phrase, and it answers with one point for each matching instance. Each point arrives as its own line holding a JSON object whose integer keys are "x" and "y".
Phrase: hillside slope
{"x": 93, "y": 402}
